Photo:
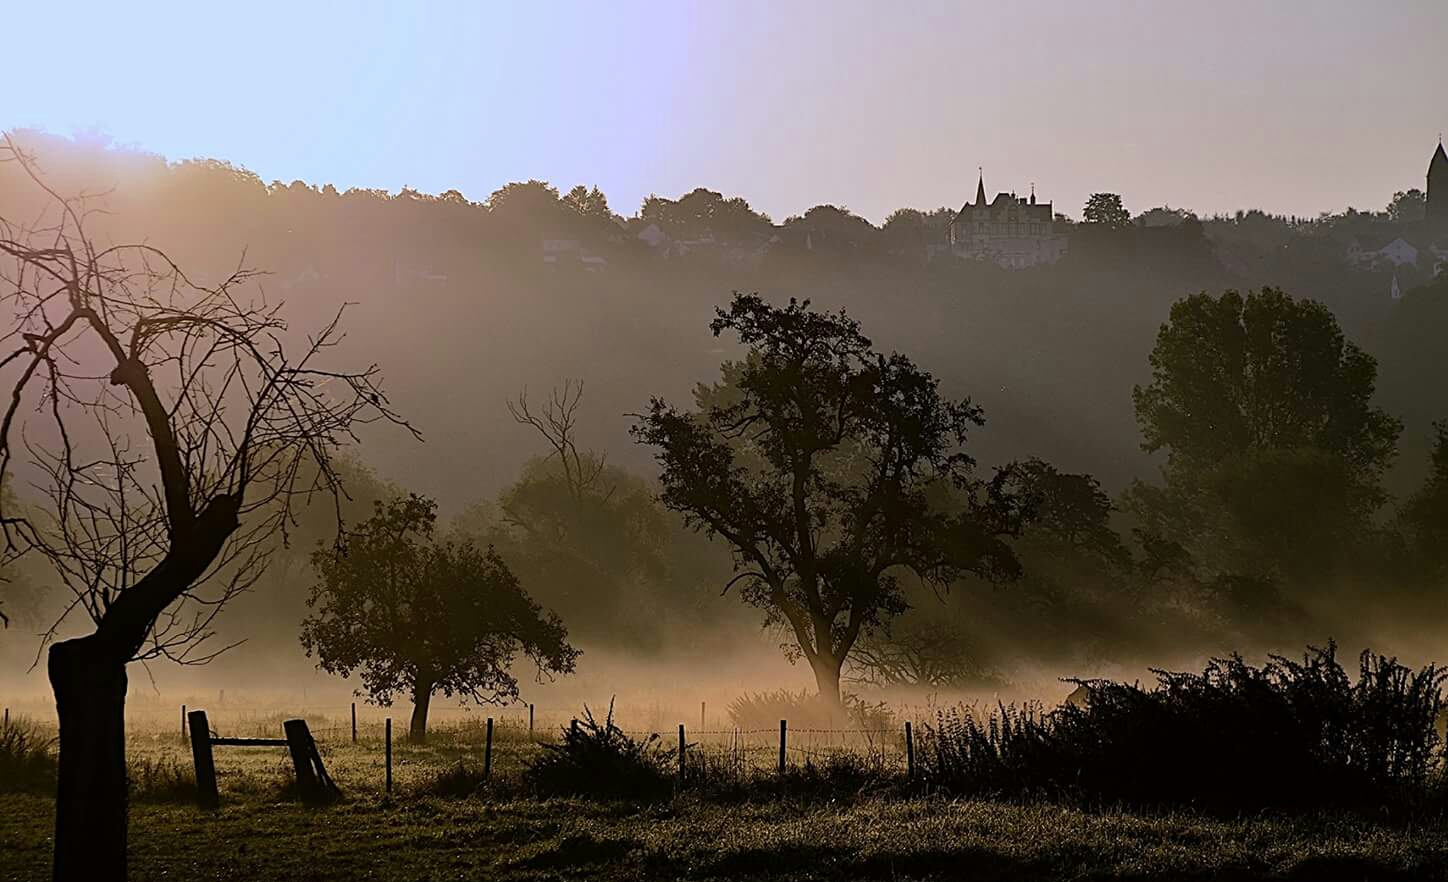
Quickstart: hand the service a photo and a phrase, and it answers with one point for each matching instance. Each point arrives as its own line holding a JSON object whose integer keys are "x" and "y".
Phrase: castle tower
{"x": 1438, "y": 186}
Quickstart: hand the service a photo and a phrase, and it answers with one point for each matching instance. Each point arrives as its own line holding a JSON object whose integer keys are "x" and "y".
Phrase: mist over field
{"x": 467, "y": 308}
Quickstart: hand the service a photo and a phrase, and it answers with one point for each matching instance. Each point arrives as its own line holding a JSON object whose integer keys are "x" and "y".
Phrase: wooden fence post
{"x": 702, "y": 727}
{"x": 7, "y": 718}
{"x": 783, "y": 728}
{"x": 681, "y": 753}
{"x": 183, "y": 722}
{"x": 488, "y": 752}
{"x": 387, "y": 738}
{"x": 530, "y": 721}
{"x": 909, "y": 752}
{"x": 354, "y": 722}
{"x": 206, "y": 793}
{"x": 299, "y": 745}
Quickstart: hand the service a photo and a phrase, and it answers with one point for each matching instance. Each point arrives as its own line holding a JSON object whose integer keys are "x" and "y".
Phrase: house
{"x": 1399, "y": 252}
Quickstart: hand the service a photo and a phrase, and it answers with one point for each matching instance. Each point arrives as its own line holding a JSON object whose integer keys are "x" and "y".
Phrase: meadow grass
{"x": 415, "y": 837}
{"x": 442, "y": 821}
{"x": 844, "y": 810}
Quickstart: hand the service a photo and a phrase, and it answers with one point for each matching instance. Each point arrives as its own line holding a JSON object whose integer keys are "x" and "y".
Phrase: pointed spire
{"x": 980, "y": 188}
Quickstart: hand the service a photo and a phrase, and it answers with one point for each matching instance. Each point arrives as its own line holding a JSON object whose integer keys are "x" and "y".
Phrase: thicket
{"x": 1235, "y": 737}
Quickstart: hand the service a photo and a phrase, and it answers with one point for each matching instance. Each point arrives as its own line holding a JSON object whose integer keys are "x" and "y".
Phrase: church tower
{"x": 1438, "y": 186}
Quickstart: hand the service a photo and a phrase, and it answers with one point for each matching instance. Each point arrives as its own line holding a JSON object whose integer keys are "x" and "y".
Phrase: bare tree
{"x": 556, "y": 422}
{"x": 166, "y": 425}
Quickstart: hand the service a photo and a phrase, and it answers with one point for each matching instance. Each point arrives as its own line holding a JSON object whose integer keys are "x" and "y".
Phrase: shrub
{"x": 803, "y": 710}
{"x": 600, "y": 759}
{"x": 27, "y": 759}
{"x": 1287, "y": 734}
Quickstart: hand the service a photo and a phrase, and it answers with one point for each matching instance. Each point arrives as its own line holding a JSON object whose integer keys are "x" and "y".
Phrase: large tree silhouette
{"x": 1274, "y": 449}
{"x": 417, "y": 614}
{"x": 832, "y": 471}
{"x": 166, "y": 423}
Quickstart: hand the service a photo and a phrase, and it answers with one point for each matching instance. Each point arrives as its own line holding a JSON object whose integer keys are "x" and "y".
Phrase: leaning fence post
{"x": 681, "y": 753}
{"x": 783, "y": 728}
{"x": 387, "y": 740}
{"x": 299, "y": 744}
{"x": 488, "y": 751}
{"x": 909, "y": 751}
{"x": 201, "y": 758}
{"x": 354, "y": 722}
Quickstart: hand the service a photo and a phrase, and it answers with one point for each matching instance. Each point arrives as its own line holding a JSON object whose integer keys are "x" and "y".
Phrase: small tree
{"x": 417, "y": 614}
{"x": 831, "y": 470}
{"x": 166, "y": 424}
{"x": 1106, "y": 209}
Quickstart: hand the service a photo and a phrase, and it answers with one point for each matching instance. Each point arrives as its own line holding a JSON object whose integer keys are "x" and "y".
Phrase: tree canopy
{"x": 1265, "y": 371}
{"x": 1107, "y": 210}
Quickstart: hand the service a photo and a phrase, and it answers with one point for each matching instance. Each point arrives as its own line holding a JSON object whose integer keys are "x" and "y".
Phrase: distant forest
{"x": 468, "y": 303}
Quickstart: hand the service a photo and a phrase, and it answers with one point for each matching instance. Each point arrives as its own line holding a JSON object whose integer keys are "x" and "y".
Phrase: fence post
{"x": 488, "y": 752}
{"x": 354, "y": 722}
{"x": 681, "y": 753}
{"x": 702, "y": 726}
{"x": 909, "y": 752}
{"x": 530, "y": 721}
{"x": 201, "y": 758}
{"x": 183, "y": 722}
{"x": 7, "y": 718}
{"x": 387, "y": 739}
{"x": 299, "y": 745}
{"x": 783, "y": 728}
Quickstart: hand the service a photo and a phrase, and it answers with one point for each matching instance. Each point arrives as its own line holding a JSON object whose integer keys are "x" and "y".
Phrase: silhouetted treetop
{"x": 1234, "y": 373}
{"x": 1106, "y": 209}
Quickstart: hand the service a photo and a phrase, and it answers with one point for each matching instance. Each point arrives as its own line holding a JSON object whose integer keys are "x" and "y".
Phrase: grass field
{"x": 498, "y": 831}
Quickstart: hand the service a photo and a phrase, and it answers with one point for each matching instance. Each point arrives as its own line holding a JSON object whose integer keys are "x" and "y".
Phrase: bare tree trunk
{"x": 827, "y": 680}
{"x": 90, "y": 799}
{"x": 421, "y": 697}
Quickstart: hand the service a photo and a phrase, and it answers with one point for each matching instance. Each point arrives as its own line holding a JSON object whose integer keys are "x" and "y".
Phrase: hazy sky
{"x": 1296, "y": 107}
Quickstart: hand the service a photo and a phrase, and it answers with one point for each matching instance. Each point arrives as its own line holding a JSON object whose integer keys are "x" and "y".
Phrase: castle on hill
{"x": 1009, "y": 230}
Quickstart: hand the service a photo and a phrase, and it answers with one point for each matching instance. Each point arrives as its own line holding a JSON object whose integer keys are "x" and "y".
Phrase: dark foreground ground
{"x": 431, "y": 838}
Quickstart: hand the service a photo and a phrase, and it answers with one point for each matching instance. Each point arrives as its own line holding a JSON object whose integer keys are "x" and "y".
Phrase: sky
{"x": 1293, "y": 107}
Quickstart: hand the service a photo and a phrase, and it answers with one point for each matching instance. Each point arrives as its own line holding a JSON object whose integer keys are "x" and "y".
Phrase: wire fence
{"x": 335, "y": 726}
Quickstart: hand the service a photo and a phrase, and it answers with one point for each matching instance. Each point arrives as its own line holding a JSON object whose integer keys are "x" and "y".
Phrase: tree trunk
{"x": 827, "y": 679}
{"x": 421, "y": 696}
{"x": 90, "y": 798}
